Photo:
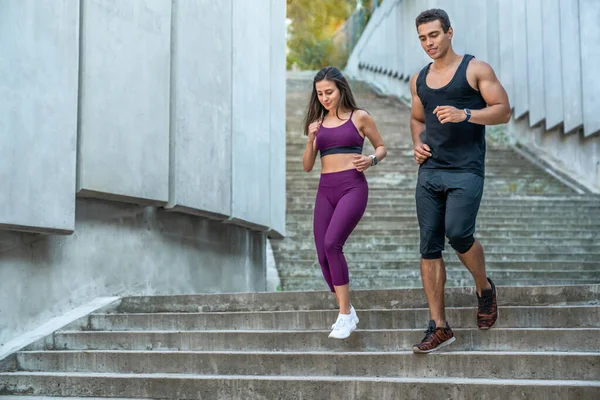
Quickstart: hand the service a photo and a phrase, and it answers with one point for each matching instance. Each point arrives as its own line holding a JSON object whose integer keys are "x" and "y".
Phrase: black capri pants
{"x": 447, "y": 205}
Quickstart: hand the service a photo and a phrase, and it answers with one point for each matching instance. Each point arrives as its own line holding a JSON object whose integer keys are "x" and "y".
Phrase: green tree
{"x": 313, "y": 24}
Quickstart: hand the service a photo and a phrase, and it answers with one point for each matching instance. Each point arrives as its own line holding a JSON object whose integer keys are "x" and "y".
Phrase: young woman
{"x": 337, "y": 128}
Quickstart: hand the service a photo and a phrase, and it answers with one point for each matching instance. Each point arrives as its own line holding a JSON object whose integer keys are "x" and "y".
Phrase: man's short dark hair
{"x": 435, "y": 14}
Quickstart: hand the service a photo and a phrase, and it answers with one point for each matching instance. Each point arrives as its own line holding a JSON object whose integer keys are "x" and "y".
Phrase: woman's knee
{"x": 332, "y": 245}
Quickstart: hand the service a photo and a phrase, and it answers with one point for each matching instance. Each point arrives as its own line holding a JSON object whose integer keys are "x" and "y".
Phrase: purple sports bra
{"x": 343, "y": 139}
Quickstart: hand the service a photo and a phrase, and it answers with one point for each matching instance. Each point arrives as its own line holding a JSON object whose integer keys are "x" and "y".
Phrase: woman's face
{"x": 328, "y": 93}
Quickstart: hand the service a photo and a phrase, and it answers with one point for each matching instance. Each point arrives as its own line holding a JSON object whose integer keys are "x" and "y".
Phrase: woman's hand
{"x": 312, "y": 130}
{"x": 361, "y": 162}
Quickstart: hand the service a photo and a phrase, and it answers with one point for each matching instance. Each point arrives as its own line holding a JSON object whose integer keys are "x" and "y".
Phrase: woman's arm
{"x": 310, "y": 153}
{"x": 367, "y": 126}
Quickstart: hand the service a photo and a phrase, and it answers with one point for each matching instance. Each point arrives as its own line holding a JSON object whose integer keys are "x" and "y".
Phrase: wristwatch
{"x": 373, "y": 160}
{"x": 468, "y": 113}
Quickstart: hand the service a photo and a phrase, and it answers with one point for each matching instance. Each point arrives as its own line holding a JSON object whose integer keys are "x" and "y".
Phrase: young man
{"x": 453, "y": 99}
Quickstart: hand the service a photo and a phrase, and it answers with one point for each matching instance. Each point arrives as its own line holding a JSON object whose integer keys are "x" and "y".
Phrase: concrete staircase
{"x": 534, "y": 228}
{"x": 275, "y": 346}
{"x": 545, "y": 345}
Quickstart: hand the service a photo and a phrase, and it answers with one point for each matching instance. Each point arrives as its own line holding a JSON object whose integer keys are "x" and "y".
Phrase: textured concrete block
{"x": 506, "y": 68}
{"x": 535, "y": 62}
{"x": 589, "y": 15}
{"x": 400, "y": 34}
{"x": 391, "y": 45}
{"x": 121, "y": 249}
{"x": 571, "y": 65}
{"x": 251, "y": 110}
{"x": 552, "y": 70}
{"x": 409, "y": 36}
{"x": 476, "y": 30}
{"x": 38, "y": 108}
{"x": 200, "y": 162}
{"x": 520, "y": 69}
{"x": 124, "y": 100}
{"x": 277, "y": 168}
{"x": 493, "y": 34}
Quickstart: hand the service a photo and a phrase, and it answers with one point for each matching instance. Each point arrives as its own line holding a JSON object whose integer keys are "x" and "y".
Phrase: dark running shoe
{"x": 435, "y": 338}
{"x": 487, "y": 310}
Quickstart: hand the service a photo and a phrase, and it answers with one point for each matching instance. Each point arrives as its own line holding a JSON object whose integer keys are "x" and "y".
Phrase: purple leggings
{"x": 340, "y": 204}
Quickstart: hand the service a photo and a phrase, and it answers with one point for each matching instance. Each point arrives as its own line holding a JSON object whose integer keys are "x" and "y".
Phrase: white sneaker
{"x": 343, "y": 328}
{"x": 352, "y": 313}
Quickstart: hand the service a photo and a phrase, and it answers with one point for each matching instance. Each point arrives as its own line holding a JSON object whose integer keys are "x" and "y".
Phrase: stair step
{"x": 534, "y": 246}
{"x": 410, "y": 318}
{"x": 517, "y": 232}
{"x": 455, "y": 274}
{"x": 502, "y": 339}
{"x": 383, "y": 299}
{"x": 408, "y": 256}
{"x": 253, "y": 387}
{"x": 308, "y": 284}
{"x": 451, "y": 265}
{"x": 505, "y": 365}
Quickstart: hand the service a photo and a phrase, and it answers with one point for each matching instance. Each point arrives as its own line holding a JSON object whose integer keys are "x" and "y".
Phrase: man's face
{"x": 433, "y": 39}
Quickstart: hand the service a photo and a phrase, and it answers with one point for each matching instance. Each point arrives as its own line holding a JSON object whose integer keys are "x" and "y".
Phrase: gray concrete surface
{"x": 571, "y": 65}
{"x": 505, "y": 42}
{"x": 120, "y": 249}
{"x": 503, "y": 365}
{"x": 38, "y": 108}
{"x": 124, "y": 101}
{"x": 251, "y": 119}
{"x": 589, "y": 14}
{"x": 520, "y": 99}
{"x": 410, "y": 318}
{"x": 255, "y": 388}
{"x": 277, "y": 168}
{"x": 204, "y": 347}
{"x": 535, "y": 61}
{"x": 371, "y": 299}
{"x": 201, "y": 134}
{"x": 553, "y": 79}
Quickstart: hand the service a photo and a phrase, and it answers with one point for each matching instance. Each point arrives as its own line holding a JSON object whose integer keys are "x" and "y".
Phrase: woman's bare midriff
{"x": 336, "y": 163}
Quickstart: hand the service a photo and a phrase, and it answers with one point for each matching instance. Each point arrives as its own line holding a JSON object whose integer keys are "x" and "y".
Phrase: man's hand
{"x": 449, "y": 114}
{"x": 422, "y": 153}
{"x": 361, "y": 162}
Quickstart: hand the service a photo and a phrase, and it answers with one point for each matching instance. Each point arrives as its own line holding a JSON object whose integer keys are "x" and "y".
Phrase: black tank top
{"x": 454, "y": 146}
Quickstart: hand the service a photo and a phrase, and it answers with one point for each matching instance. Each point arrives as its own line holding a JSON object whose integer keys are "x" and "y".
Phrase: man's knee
{"x": 432, "y": 256}
{"x": 461, "y": 244}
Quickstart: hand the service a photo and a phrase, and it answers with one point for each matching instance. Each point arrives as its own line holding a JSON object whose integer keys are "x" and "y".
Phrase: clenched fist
{"x": 422, "y": 153}
{"x": 449, "y": 114}
{"x": 312, "y": 129}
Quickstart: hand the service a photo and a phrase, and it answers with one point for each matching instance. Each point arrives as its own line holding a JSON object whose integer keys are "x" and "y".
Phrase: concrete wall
{"x": 545, "y": 54}
{"x": 122, "y": 249}
{"x": 38, "y": 114}
{"x": 166, "y": 103}
{"x": 124, "y": 100}
{"x": 201, "y": 132}
{"x": 278, "y": 100}
{"x": 251, "y": 113}
{"x": 164, "y": 123}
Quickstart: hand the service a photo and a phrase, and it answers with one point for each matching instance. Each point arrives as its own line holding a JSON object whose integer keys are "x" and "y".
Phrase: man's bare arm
{"x": 417, "y": 112}
{"x": 492, "y": 91}
{"x": 417, "y": 124}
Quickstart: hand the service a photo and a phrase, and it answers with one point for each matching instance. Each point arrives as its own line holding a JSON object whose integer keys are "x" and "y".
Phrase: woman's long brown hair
{"x": 315, "y": 109}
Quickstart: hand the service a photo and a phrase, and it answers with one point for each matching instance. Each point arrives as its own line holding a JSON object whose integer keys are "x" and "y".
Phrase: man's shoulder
{"x": 479, "y": 66}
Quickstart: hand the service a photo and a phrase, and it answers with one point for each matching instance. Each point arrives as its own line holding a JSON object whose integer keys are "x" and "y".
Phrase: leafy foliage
{"x": 313, "y": 24}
